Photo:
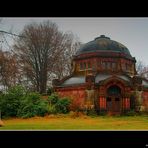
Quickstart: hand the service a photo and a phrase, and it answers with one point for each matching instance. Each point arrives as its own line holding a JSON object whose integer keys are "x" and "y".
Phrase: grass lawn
{"x": 66, "y": 122}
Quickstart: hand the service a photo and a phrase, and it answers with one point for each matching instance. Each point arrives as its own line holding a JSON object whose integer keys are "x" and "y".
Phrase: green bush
{"x": 58, "y": 105}
{"x": 32, "y": 105}
{"x": 10, "y": 102}
{"x": 17, "y": 91}
{"x": 42, "y": 108}
{"x": 18, "y": 103}
{"x": 26, "y": 109}
{"x": 53, "y": 99}
{"x": 52, "y": 109}
{"x": 62, "y": 106}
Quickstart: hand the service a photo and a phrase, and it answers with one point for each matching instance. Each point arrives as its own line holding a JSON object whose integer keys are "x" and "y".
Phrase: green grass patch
{"x": 65, "y": 122}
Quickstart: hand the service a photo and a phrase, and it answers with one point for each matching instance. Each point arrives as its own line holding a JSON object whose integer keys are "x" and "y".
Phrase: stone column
{"x": 138, "y": 95}
{"x": 89, "y": 103}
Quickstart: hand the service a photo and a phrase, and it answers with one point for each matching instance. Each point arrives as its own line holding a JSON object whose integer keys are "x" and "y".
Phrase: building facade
{"x": 104, "y": 78}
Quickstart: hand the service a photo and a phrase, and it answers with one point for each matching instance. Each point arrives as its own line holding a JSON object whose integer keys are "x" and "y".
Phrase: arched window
{"x": 113, "y": 90}
{"x": 114, "y": 66}
{"x": 103, "y": 65}
{"x": 108, "y": 65}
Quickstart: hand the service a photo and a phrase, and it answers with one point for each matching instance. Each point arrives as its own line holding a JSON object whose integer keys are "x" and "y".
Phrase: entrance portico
{"x": 113, "y": 98}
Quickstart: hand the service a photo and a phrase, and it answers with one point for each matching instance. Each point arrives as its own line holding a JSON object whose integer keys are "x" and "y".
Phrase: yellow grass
{"x": 66, "y": 122}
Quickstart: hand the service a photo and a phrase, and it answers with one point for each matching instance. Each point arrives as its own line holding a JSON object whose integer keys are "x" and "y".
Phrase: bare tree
{"x": 38, "y": 51}
{"x": 141, "y": 67}
{"x": 8, "y": 69}
{"x": 63, "y": 64}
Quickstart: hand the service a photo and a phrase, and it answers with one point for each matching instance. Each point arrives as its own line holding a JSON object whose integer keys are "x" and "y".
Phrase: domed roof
{"x": 104, "y": 44}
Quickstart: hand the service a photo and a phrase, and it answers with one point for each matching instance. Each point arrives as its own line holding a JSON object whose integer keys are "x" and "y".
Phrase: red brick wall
{"x": 145, "y": 100}
{"x": 126, "y": 103}
{"x": 102, "y": 102}
{"x": 77, "y": 95}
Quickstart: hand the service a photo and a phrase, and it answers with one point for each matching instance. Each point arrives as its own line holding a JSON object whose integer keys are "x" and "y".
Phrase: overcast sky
{"x": 131, "y": 32}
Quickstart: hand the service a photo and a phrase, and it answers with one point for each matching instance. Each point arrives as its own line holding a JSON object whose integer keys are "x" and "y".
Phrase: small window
{"x": 103, "y": 65}
{"x": 108, "y": 65}
{"x": 113, "y": 66}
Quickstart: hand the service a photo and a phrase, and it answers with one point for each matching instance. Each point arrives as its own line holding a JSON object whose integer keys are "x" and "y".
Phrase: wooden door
{"x": 113, "y": 104}
{"x": 109, "y": 104}
{"x": 116, "y": 104}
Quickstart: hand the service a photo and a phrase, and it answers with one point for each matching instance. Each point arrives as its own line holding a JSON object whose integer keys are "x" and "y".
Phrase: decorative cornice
{"x": 104, "y": 55}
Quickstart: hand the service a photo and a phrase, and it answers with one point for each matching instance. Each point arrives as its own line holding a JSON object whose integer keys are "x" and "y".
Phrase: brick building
{"x": 104, "y": 78}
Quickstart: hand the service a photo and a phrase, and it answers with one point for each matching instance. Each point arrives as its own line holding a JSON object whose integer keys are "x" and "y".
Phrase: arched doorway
{"x": 113, "y": 99}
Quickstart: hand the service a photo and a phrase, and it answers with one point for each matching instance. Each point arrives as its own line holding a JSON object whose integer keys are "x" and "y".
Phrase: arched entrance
{"x": 113, "y": 99}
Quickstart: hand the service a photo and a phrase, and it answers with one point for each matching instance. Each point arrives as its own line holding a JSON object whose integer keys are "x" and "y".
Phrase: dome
{"x": 103, "y": 44}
